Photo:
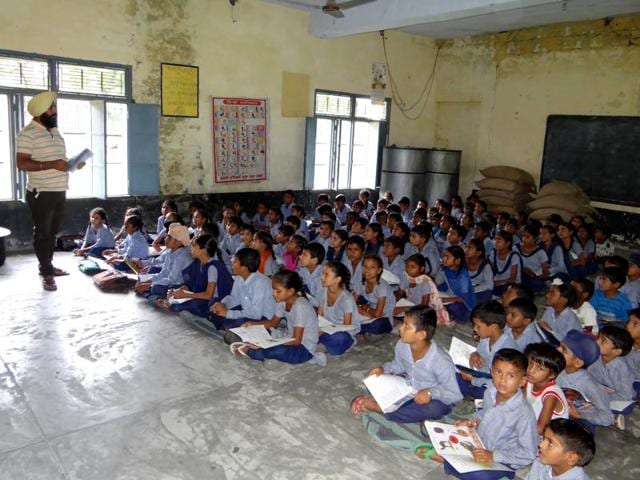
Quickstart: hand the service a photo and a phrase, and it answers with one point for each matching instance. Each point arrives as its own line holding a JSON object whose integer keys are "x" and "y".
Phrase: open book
{"x": 389, "y": 391}
{"x": 548, "y": 335}
{"x": 581, "y": 402}
{"x": 460, "y": 352}
{"x": 80, "y": 159}
{"x": 328, "y": 327}
{"x": 390, "y": 277}
{"x": 258, "y": 336}
{"x": 455, "y": 445}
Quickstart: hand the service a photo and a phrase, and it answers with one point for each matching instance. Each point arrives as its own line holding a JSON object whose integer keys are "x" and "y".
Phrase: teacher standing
{"x": 41, "y": 153}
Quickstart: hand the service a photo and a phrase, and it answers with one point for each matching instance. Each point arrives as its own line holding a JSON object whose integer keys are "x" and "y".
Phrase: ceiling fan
{"x": 332, "y": 7}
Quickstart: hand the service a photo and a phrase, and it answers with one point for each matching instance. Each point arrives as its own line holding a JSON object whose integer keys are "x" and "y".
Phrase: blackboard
{"x": 599, "y": 153}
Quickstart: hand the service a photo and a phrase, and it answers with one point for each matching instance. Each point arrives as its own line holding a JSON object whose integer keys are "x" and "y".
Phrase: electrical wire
{"x": 395, "y": 91}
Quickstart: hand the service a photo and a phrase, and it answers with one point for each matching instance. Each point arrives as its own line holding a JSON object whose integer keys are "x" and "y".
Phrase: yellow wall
{"x": 245, "y": 58}
{"x": 513, "y": 81}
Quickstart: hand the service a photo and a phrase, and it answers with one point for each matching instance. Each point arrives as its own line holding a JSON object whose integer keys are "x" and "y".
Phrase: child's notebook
{"x": 455, "y": 445}
{"x": 258, "y": 336}
{"x": 327, "y": 327}
{"x": 390, "y": 391}
{"x": 460, "y": 352}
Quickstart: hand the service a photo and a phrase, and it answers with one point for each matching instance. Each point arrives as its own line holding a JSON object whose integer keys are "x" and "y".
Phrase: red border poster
{"x": 239, "y": 139}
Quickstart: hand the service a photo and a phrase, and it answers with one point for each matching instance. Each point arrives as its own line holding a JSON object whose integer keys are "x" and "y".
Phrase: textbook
{"x": 455, "y": 445}
{"x": 389, "y": 391}
{"x": 580, "y": 401}
{"x": 80, "y": 160}
{"x": 178, "y": 301}
{"x": 328, "y": 327}
{"x": 258, "y": 336}
{"x": 390, "y": 277}
{"x": 403, "y": 302}
{"x": 460, "y": 352}
{"x": 549, "y": 335}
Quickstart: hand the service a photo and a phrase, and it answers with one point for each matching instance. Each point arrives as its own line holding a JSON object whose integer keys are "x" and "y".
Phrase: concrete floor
{"x": 98, "y": 386}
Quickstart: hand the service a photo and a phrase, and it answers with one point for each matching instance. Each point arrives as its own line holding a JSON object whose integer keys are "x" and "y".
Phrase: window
{"x": 343, "y": 141}
{"x": 92, "y": 113}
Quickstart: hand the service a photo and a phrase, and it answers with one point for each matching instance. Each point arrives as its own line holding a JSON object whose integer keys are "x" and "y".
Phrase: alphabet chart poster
{"x": 239, "y": 139}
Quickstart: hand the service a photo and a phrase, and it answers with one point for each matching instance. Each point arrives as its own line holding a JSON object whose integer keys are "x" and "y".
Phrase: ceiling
{"x": 456, "y": 18}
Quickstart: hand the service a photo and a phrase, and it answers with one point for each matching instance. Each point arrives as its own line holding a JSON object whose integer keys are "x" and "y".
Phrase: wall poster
{"x": 239, "y": 139}
{"x": 179, "y": 90}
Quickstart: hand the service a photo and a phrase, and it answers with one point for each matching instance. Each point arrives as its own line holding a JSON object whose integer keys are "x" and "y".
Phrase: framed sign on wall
{"x": 179, "y": 90}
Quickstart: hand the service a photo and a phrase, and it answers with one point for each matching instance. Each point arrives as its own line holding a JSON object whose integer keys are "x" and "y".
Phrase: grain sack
{"x": 497, "y": 208}
{"x": 522, "y": 204}
{"x": 504, "y": 185}
{"x": 570, "y": 203}
{"x": 557, "y": 187}
{"x": 542, "y": 213}
{"x": 508, "y": 173}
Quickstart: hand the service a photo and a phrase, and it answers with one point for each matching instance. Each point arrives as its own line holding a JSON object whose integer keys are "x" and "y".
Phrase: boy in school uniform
{"x": 353, "y": 260}
{"x": 310, "y": 270}
{"x": 585, "y": 312}
{"x": 609, "y": 303}
{"x": 285, "y": 232}
{"x": 364, "y": 196}
{"x": 405, "y": 210}
{"x": 506, "y": 425}
{"x": 565, "y": 448}
{"x": 298, "y": 211}
{"x": 232, "y": 241}
{"x": 420, "y": 237}
{"x": 632, "y": 286}
{"x": 611, "y": 370}
{"x": 392, "y": 256}
{"x": 287, "y": 200}
{"x": 324, "y": 234}
{"x": 296, "y": 224}
{"x": 251, "y": 297}
{"x": 580, "y": 351}
{"x": 633, "y": 357}
{"x": 521, "y": 313}
{"x": 488, "y": 320}
{"x": 341, "y": 208}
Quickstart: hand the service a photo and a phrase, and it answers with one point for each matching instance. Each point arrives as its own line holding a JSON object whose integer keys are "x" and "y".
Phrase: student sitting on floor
{"x": 506, "y": 423}
{"x": 565, "y": 448}
{"x": 364, "y": 196}
{"x": 392, "y": 249}
{"x": 302, "y": 323}
{"x": 545, "y": 397}
{"x": 261, "y": 219}
{"x": 337, "y": 246}
{"x": 129, "y": 212}
{"x": 428, "y": 368}
{"x": 205, "y": 281}
{"x": 98, "y": 236}
{"x": 631, "y": 288}
{"x": 374, "y": 297}
{"x": 262, "y": 243}
{"x": 310, "y": 270}
{"x": 353, "y": 260}
{"x": 250, "y": 298}
{"x": 506, "y": 263}
{"x": 324, "y": 234}
{"x": 336, "y": 304}
{"x": 479, "y": 270}
{"x": 246, "y": 236}
{"x": 232, "y": 241}
{"x": 558, "y": 317}
{"x": 633, "y": 357}
{"x": 609, "y": 303}
{"x": 175, "y": 258}
{"x": 303, "y": 229}
{"x": 417, "y": 287}
{"x": 580, "y": 351}
{"x": 521, "y": 313}
{"x": 425, "y": 245}
{"x": 285, "y": 232}
{"x": 455, "y": 284}
{"x": 585, "y": 312}
{"x": 293, "y": 250}
{"x": 373, "y": 238}
{"x": 535, "y": 261}
{"x": 133, "y": 246}
{"x": 488, "y": 320}
{"x": 275, "y": 221}
{"x": 295, "y": 223}
{"x": 341, "y": 208}
{"x": 168, "y": 206}
{"x": 288, "y": 198}
{"x": 516, "y": 290}
{"x": 611, "y": 369}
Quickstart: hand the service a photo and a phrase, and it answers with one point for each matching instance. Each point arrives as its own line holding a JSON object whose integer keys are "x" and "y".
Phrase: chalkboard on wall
{"x": 599, "y": 153}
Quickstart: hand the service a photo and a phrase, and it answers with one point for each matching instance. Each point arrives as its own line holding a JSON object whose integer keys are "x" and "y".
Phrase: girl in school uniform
{"x": 374, "y": 297}
{"x": 550, "y": 244}
{"x": 417, "y": 287}
{"x": 168, "y": 206}
{"x": 506, "y": 263}
{"x": 373, "y": 238}
{"x": 455, "y": 283}
{"x": 535, "y": 262}
{"x": 133, "y": 246}
{"x": 129, "y": 212}
{"x": 479, "y": 270}
{"x": 275, "y": 221}
{"x": 198, "y": 220}
{"x": 205, "y": 281}
{"x": 98, "y": 236}
{"x": 302, "y": 323}
{"x": 336, "y": 304}
{"x": 263, "y": 243}
{"x": 586, "y": 250}
{"x": 293, "y": 250}
{"x": 337, "y": 245}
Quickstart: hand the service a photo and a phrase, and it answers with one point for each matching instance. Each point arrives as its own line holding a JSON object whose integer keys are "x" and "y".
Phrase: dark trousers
{"x": 468, "y": 389}
{"x": 293, "y": 354}
{"x": 411, "y": 412}
{"x": 47, "y": 209}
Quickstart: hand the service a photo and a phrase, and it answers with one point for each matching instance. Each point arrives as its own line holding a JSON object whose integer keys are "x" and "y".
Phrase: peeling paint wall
{"x": 245, "y": 57}
{"x": 521, "y": 77}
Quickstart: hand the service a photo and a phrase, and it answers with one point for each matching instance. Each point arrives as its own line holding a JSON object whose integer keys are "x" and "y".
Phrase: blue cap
{"x": 635, "y": 258}
{"x": 583, "y": 346}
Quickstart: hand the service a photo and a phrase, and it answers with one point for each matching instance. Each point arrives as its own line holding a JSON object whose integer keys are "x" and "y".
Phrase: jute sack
{"x": 502, "y": 201}
{"x": 508, "y": 173}
{"x": 557, "y": 187}
{"x": 513, "y": 199}
{"x": 505, "y": 185}
{"x": 563, "y": 202}
{"x": 497, "y": 208}
{"x": 542, "y": 213}
{"x": 508, "y": 196}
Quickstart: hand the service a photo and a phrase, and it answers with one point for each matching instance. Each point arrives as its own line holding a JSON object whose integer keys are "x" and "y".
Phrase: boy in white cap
{"x": 41, "y": 153}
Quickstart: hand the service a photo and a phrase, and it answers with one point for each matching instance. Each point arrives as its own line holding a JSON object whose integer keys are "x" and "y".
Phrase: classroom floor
{"x": 103, "y": 386}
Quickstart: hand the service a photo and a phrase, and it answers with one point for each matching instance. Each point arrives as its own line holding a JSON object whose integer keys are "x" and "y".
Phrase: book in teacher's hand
{"x": 80, "y": 160}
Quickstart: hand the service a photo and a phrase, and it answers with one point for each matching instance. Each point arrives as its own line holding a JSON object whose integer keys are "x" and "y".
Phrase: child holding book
{"x": 374, "y": 297}
{"x": 521, "y": 313}
{"x": 565, "y": 448}
{"x": 428, "y": 368}
{"x": 133, "y": 246}
{"x": 611, "y": 370}
{"x": 543, "y": 394}
{"x": 580, "y": 351}
{"x": 506, "y": 424}
{"x": 337, "y": 305}
{"x": 558, "y": 318}
{"x": 489, "y": 320}
{"x": 455, "y": 283}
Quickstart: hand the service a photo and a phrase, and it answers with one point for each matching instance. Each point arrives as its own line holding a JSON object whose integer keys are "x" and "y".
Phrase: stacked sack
{"x": 561, "y": 198}
{"x": 506, "y": 189}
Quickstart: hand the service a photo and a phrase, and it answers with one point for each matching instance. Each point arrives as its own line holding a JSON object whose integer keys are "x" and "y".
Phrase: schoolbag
{"x": 113, "y": 282}
{"x": 89, "y": 267}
